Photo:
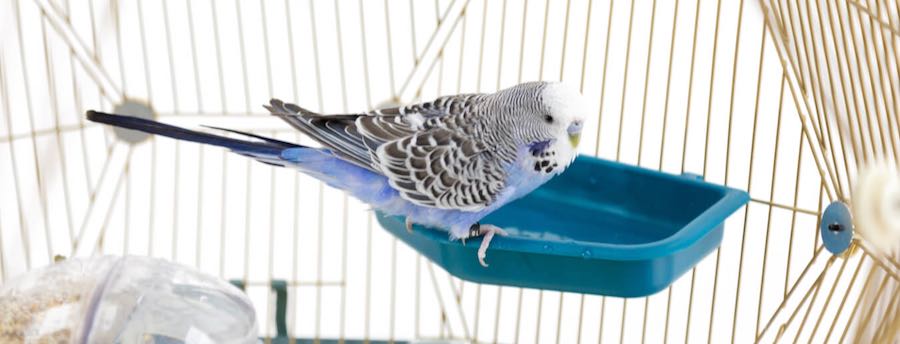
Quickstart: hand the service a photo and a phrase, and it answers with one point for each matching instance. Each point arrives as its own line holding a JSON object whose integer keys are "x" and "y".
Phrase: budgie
{"x": 445, "y": 163}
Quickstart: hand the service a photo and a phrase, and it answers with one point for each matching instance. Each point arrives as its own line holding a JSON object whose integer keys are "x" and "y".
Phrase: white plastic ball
{"x": 876, "y": 206}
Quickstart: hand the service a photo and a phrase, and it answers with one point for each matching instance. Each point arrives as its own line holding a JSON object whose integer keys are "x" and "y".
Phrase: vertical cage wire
{"x": 689, "y": 86}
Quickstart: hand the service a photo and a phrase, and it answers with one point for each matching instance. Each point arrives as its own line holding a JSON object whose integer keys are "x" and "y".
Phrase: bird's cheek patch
{"x": 538, "y": 148}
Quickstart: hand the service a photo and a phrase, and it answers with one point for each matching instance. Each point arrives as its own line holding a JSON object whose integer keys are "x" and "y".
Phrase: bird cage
{"x": 785, "y": 100}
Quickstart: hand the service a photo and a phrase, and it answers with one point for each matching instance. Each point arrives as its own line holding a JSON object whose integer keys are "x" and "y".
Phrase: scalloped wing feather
{"x": 424, "y": 149}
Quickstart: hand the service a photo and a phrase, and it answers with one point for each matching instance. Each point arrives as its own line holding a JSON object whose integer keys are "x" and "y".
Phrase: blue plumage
{"x": 367, "y": 186}
{"x": 446, "y": 163}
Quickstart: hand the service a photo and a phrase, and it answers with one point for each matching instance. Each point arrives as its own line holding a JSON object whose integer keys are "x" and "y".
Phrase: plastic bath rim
{"x": 601, "y": 227}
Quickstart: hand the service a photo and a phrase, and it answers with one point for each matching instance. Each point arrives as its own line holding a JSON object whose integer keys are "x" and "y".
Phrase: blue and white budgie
{"x": 446, "y": 163}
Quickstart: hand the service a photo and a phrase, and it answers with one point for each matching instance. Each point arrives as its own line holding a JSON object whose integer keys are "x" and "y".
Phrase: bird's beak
{"x": 574, "y": 139}
{"x": 574, "y": 131}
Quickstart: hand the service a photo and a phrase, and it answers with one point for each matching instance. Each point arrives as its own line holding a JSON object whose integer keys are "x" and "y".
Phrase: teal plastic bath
{"x": 601, "y": 228}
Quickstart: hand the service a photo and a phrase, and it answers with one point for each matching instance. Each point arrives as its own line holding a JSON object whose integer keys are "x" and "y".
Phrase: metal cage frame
{"x": 834, "y": 125}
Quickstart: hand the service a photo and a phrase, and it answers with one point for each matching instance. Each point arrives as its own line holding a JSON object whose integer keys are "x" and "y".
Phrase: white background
{"x": 202, "y": 63}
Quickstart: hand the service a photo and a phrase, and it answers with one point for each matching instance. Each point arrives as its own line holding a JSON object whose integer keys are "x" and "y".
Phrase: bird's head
{"x": 547, "y": 117}
{"x": 563, "y": 112}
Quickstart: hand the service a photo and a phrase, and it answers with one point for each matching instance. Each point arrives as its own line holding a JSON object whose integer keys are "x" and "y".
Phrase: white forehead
{"x": 564, "y": 101}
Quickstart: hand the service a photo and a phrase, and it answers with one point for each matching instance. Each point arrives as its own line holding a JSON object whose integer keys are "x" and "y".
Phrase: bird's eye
{"x": 548, "y": 118}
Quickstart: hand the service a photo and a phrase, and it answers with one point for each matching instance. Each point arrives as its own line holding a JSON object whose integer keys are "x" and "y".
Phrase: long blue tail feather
{"x": 266, "y": 148}
{"x": 320, "y": 163}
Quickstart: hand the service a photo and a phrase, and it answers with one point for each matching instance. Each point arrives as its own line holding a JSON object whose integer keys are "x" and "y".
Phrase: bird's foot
{"x": 409, "y": 225}
{"x": 487, "y": 231}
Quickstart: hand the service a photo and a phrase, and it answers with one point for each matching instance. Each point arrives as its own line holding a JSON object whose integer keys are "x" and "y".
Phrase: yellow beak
{"x": 574, "y": 139}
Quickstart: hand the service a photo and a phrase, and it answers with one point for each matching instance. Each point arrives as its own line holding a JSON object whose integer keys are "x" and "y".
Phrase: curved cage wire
{"x": 783, "y": 99}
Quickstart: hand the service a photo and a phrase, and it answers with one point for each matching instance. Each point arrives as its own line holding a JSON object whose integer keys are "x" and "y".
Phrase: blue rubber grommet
{"x": 837, "y": 227}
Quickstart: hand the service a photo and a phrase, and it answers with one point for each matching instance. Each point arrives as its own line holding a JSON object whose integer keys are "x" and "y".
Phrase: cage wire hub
{"x": 137, "y": 109}
{"x": 837, "y": 227}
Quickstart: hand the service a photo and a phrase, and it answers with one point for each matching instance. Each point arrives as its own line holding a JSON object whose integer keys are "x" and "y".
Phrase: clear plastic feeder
{"x": 131, "y": 299}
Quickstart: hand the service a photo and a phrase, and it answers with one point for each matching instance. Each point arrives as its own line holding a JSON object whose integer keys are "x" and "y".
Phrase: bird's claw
{"x": 481, "y": 255}
{"x": 488, "y": 232}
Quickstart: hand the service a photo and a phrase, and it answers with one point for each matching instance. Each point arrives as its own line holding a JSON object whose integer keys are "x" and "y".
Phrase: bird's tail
{"x": 264, "y": 149}
{"x": 319, "y": 163}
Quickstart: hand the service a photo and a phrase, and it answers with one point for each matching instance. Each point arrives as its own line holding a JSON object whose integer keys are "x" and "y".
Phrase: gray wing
{"x": 427, "y": 150}
{"x": 443, "y": 169}
{"x": 342, "y": 133}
